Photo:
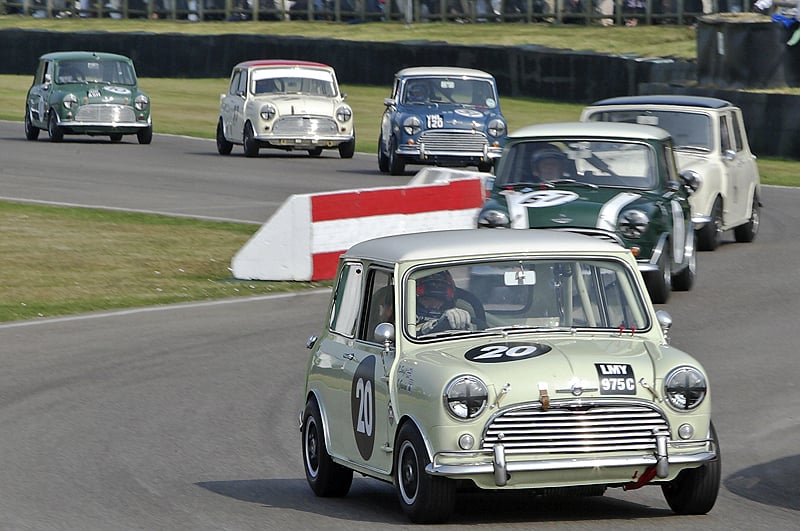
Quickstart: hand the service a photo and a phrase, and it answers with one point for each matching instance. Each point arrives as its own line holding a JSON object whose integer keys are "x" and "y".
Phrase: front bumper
{"x": 303, "y": 142}
{"x": 619, "y": 469}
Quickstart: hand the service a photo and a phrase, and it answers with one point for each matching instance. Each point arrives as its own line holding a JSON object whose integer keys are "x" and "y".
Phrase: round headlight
{"x": 268, "y": 112}
{"x": 412, "y": 125}
{"x": 496, "y": 127}
{"x": 141, "y": 102}
{"x": 685, "y": 388}
{"x": 465, "y": 397}
{"x": 493, "y": 219}
{"x": 70, "y": 101}
{"x": 633, "y": 223}
{"x": 344, "y": 113}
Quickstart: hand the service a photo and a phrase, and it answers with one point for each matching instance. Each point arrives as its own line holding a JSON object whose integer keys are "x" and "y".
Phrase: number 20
{"x": 365, "y": 413}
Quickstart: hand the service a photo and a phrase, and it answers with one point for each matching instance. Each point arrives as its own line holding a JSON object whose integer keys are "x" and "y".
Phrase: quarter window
{"x": 344, "y": 311}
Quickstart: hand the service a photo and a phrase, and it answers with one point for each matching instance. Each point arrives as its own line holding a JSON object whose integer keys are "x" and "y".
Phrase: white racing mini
{"x": 504, "y": 360}
{"x": 285, "y": 104}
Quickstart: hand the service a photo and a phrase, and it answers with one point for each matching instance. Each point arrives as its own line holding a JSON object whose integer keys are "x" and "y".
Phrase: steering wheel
{"x": 477, "y": 307}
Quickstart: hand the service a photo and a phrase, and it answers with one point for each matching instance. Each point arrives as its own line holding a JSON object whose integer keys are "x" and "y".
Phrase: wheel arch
{"x": 404, "y": 420}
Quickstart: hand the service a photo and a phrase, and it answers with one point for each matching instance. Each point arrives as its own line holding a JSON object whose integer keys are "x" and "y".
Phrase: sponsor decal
{"x": 362, "y": 406}
{"x": 94, "y": 93}
{"x": 469, "y": 113}
{"x": 616, "y": 379}
{"x": 117, "y": 90}
{"x": 503, "y": 352}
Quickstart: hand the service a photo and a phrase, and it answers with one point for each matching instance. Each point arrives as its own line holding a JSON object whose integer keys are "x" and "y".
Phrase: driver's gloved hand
{"x": 455, "y": 319}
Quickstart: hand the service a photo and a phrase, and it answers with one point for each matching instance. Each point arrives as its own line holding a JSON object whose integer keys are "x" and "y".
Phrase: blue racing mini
{"x": 442, "y": 116}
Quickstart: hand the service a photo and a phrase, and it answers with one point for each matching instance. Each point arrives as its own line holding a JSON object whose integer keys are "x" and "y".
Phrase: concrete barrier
{"x": 305, "y": 237}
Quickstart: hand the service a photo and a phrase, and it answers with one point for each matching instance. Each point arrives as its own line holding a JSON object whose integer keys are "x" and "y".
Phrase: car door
{"x": 735, "y": 162}
{"x": 370, "y": 400}
{"x": 232, "y": 104}
{"x": 351, "y": 368}
{"x": 38, "y": 96}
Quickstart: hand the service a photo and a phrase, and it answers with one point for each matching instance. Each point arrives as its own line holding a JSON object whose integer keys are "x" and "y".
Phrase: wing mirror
{"x": 665, "y": 321}
{"x": 384, "y": 333}
{"x": 691, "y": 180}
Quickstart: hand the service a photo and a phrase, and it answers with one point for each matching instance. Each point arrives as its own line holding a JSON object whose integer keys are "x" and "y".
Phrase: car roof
{"x": 592, "y": 129}
{"x": 82, "y": 55}
{"x": 666, "y": 99}
{"x": 283, "y": 63}
{"x": 465, "y": 243}
{"x": 420, "y": 71}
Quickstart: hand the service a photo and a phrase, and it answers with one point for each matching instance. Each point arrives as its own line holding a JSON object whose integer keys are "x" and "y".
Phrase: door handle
{"x": 349, "y": 356}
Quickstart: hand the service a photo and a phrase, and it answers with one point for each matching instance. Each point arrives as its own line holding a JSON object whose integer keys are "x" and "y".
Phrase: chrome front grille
{"x": 305, "y": 126}
{"x": 574, "y": 427}
{"x": 105, "y": 114}
{"x": 453, "y": 141}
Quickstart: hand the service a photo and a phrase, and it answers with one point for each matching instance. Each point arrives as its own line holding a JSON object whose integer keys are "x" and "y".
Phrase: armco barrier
{"x": 305, "y": 237}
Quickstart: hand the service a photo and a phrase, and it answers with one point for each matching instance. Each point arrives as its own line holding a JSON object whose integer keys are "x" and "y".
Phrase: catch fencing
{"x": 603, "y": 12}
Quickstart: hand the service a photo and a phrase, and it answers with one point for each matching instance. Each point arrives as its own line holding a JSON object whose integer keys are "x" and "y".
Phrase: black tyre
{"x": 747, "y": 232}
{"x": 145, "y": 136}
{"x": 348, "y": 149}
{"x": 53, "y": 129}
{"x": 659, "y": 283}
{"x": 223, "y": 146}
{"x": 315, "y": 152}
{"x": 250, "y": 142}
{"x": 485, "y": 167}
{"x": 695, "y": 490}
{"x": 396, "y": 164}
{"x": 31, "y": 131}
{"x": 383, "y": 158}
{"x": 710, "y": 236}
{"x": 424, "y": 498}
{"x": 116, "y": 137}
{"x": 684, "y": 280}
{"x": 326, "y": 478}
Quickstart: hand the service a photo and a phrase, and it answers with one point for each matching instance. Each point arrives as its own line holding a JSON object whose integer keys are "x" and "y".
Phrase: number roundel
{"x": 362, "y": 406}
{"x": 502, "y": 352}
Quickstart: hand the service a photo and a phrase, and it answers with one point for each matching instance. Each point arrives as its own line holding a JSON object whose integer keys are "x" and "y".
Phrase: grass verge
{"x": 60, "y": 261}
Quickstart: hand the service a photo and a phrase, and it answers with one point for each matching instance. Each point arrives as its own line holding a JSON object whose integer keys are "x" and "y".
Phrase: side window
{"x": 379, "y": 303}
{"x": 737, "y": 132}
{"x": 234, "y": 82}
{"x": 724, "y": 137}
{"x": 47, "y": 69}
{"x": 243, "y": 82}
{"x": 344, "y": 311}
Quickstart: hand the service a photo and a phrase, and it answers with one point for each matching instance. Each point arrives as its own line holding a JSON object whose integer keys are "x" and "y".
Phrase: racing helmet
{"x": 438, "y": 285}
{"x": 548, "y": 152}
{"x": 417, "y": 91}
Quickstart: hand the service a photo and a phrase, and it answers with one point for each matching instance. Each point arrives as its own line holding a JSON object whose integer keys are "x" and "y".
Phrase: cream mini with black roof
{"x": 709, "y": 138}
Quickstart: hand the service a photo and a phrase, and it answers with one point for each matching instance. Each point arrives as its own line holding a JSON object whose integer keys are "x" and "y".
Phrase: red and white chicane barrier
{"x": 305, "y": 237}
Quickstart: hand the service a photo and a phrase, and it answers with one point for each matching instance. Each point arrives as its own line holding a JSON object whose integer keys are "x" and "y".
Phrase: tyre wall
{"x": 525, "y": 71}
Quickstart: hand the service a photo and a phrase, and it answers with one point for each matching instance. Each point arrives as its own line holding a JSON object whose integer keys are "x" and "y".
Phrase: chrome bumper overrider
{"x": 495, "y": 462}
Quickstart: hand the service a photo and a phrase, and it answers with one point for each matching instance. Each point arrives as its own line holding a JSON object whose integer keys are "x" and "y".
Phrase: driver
{"x": 417, "y": 92}
{"x": 548, "y": 163}
{"x": 436, "y": 311}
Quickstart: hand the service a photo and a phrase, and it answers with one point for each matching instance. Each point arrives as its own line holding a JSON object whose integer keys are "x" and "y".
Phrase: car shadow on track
{"x": 773, "y": 483}
{"x": 372, "y": 501}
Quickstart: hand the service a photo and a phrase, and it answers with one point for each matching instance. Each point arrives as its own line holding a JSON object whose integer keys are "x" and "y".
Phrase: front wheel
{"x": 250, "y": 142}
{"x": 684, "y": 280}
{"x": 53, "y": 129}
{"x": 383, "y": 158}
{"x": 424, "y": 498}
{"x": 659, "y": 283}
{"x": 747, "y": 232}
{"x": 326, "y": 478}
{"x": 224, "y": 147}
{"x": 710, "y": 236}
{"x": 31, "y": 131}
{"x": 396, "y": 164}
{"x": 695, "y": 490}
{"x": 347, "y": 149}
